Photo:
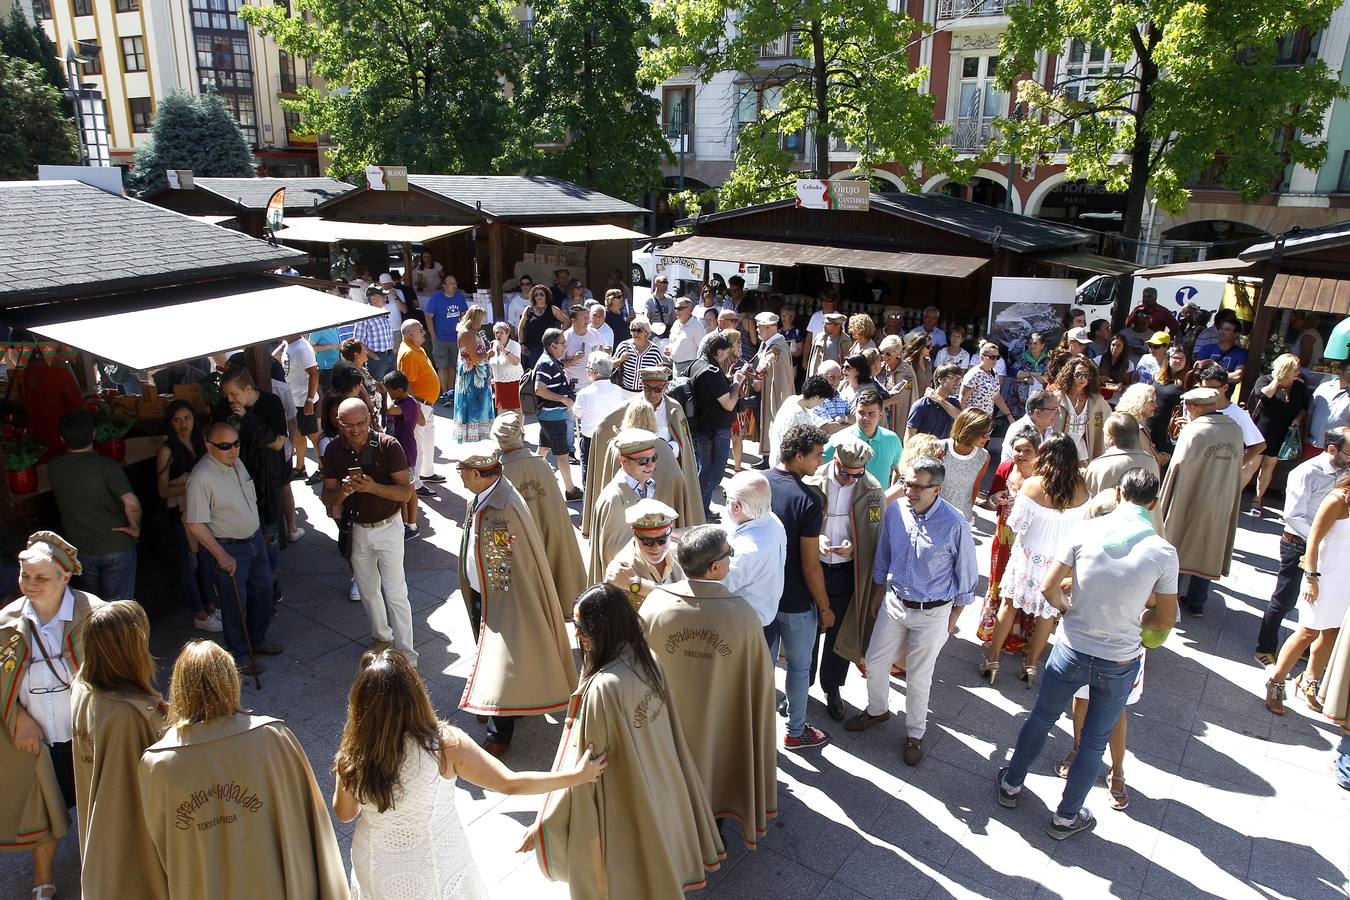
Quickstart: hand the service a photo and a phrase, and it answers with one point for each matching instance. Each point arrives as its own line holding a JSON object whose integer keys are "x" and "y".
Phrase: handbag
{"x": 1292, "y": 447}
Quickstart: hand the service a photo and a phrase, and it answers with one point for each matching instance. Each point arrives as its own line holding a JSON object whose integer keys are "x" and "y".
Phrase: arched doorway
{"x": 1084, "y": 204}
{"x": 1219, "y": 238}
{"x": 981, "y": 190}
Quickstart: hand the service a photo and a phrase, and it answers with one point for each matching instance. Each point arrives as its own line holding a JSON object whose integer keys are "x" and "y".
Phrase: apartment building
{"x": 150, "y": 47}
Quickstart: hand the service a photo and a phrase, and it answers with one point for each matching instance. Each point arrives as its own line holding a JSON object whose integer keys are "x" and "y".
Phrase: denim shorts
{"x": 556, "y": 435}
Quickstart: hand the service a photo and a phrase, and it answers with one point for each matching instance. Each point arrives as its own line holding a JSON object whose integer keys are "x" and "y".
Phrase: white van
{"x": 1096, "y": 296}
{"x": 646, "y": 265}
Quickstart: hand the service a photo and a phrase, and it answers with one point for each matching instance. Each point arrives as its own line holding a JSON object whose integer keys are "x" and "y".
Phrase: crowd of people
{"x": 1116, "y": 499}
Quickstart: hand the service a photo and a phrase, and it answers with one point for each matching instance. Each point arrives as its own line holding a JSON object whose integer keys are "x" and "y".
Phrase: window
{"x": 42, "y": 9}
{"x": 678, "y": 112}
{"x": 753, "y": 102}
{"x": 978, "y": 101}
{"x": 93, "y": 66}
{"x": 133, "y": 54}
{"x": 217, "y": 14}
{"x": 128, "y": 5}
{"x": 1083, "y": 66}
{"x": 1343, "y": 184}
{"x": 81, "y": 7}
{"x": 142, "y": 114}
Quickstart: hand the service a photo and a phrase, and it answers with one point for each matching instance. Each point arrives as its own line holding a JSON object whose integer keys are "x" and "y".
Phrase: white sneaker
{"x": 210, "y": 623}
{"x": 355, "y": 593}
{"x": 296, "y": 535}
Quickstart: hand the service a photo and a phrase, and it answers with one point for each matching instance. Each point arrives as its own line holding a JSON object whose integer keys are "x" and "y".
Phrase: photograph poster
{"x": 1020, "y": 306}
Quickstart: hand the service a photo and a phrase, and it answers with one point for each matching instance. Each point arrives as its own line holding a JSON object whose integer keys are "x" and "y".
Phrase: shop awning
{"x": 330, "y": 231}
{"x": 1202, "y": 267}
{"x": 199, "y": 320}
{"x": 1330, "y": 296}
{"x": 773, "y": 253}
{"x": 581, "y": 234}
{"x": 1087, "y": 262}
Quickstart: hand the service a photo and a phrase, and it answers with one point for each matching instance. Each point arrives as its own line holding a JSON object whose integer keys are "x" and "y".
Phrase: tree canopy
{"x": 27, "y": 40}
{"x": 34, "y": 126}
{"x": 196, "y": 132}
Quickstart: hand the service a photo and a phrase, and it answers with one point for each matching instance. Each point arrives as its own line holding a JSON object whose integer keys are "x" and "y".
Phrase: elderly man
{"x": 1041, "y": 416}
{"x": 773, "y": 374}
{"x": 685, "y": 335}
{"x": 720, "y": 679}
{"x": 937, "y": 338}
{"x": 596, "y": 402}
{"x": 1120, "y": 436}
{"x": 829, "y": 346}
{"x": 815, "y": 326}
{"x": 833, "y": 413}
{"x": 1253, "y": 442}
{"x": 673, "y": 427}
{"x": 533, "y": 479}
{"x": 884, "y": 461}
{"x": 1201, "y": 494}
{"x": 425, "y": 387}
{"x": 924, "y": 576}
{"x": 221, "y": 512}
{"x": 604, "y": 335}
{"x": 1330, "y": 408}
{"x": 633, "y": 482}
{"x": 852, "y": 501}
{"x": 760, "y": 542}
{"x": 647, "y": 562}
{"x": 365, "y": 484}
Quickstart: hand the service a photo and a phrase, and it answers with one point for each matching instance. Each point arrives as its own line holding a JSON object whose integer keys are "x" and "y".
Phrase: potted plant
{"x": 110, "y": 430}
{"x": 21, "y": 452}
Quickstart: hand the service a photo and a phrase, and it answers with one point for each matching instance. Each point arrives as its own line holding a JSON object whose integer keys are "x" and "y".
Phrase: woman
{"x": 1048, "y": 508}
{"x": 1029, "y": 371}
{"x": 857, "y": 378}
{"x": 744, "y": 424}
{"x": 954, "y": 352}
{"x": 346, "y": 383}
{"x": 576, "y": 293}
{"x": 647, "y": 830}
{"x": 902, "y": 362}
{"x": 1115, "y": 368}
{"x": 863, "y": 331}
{"x": 1326, "y": 564}
{"x": 37, "y": 774}
{"x": 428, "y": 275}
{"x": 396, "y": 767}
{"x": 616, "y": 317}
{"x": 636, "y": 354}
{"x": 1279, "y": 404}
{"x": 505, "y": 368}
{"x": 474, "y": 411}
{"x": 966, "y": 459}
{"x": 1082, "y": 408}
{"x": 1170, "y": 383}
{"x": 1141, "y": 401}
{"x": 229, "y": 798}
{"x": 115, "y": 714}
{"x": 537, "y": 319}
{"x": 1008, "y": 480}
{"x": 173, "y": 463}
{"x": 795, "y": 337}
{"x": 355, "y": 356}
{"x": 981, "y": 387}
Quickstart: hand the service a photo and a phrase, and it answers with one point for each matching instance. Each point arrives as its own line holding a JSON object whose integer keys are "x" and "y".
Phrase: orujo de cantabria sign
{"x": 813, "y": 193}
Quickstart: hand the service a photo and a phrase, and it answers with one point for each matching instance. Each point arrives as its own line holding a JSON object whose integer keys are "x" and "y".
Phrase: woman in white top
{"x": 396, "y": 768}
{"x": 427, "y": 275}
{"x": 1050, "y": 505}
{"x": 505, "y": 368}
{"x": 954, "y": 353}
{"x": 966, "y": 459}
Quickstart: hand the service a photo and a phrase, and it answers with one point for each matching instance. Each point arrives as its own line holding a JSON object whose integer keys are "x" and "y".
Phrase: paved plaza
{"x": 1228, "y": 800}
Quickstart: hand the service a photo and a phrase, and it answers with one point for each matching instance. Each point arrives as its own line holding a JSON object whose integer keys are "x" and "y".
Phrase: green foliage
{"x": 196, "y": 132}
{"x": 411, "y": 83}
{"x": 34, "y": 126}
{"x": 26, "y": 40}
{"x": 580, "y": 90}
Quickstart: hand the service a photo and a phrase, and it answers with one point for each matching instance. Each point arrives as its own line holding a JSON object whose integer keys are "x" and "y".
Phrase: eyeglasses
{"x": 731, "y": 552}
{"x": 844, "y": 473}
{"x": 644, "y": 461}
{"x": 915, "y": 486}
{"x": 353, "y": 424}
{"x": 655, "y": 541}
{"x": 225, "y": 445}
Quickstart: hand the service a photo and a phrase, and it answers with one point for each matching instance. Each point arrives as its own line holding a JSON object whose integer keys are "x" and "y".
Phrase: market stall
{"x": 246, "y": 199}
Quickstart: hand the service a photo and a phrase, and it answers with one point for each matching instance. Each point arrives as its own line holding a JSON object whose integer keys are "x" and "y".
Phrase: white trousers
{"x": 426, "y": 445}
{"x": 377, "y": 562}
{"x": 918, "y": 633}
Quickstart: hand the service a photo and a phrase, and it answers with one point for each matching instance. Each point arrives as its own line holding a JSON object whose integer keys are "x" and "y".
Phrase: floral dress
{"x": 1041, "y": 534}
{"x": 474, "y": 409}
{"x": 999, "y": 554}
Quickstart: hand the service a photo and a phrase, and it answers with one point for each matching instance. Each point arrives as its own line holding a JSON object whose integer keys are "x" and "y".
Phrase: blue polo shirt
{"x": 444, "y": 312}
{"x": 885, "y": 446}
{"x": 926, "y": 417}
{"x": 1231, "y": 359}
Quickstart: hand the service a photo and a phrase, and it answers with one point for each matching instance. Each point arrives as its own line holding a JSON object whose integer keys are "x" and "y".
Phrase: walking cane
{"x": 248, "y": 642}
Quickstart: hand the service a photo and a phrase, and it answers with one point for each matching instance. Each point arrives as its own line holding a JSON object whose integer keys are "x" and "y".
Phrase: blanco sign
{"x": 814, "y": 193}
{"x": 387, "y": 178}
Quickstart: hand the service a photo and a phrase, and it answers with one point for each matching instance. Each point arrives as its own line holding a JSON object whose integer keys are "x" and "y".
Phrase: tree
{"x": 580, "y": 93}
{"x": 34, "y": 127}
{"x": 410, "y": 82}
{"x": 26, "y": 40}
{"x": 846, "y": 75}
{"x": 1191, "y": 85}
{"x": 196, "y": 132}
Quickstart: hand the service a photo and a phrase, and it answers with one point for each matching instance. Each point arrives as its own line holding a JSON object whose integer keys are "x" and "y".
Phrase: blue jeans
{"x": 711, "y": 452}
{"x": 1342, "y": 765}
{"x": 253, "y": 575}
{"x": 1065, "y": 672}
{"x": 378, "y": 368}
{"x": 195, "y": 582}
{"x": 797, "y": 631}
{"x": 109, "y": 576}
{"x": 1194, "y": 591}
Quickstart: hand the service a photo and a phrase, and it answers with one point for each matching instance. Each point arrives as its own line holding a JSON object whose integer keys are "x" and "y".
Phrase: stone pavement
{"x": 1228, "y": 800}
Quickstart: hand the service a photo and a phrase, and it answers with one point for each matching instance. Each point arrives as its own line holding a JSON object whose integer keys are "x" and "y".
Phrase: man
{"x": 561, "y": 288}
{"x": 395, "y": 303}
{"x": 445, "y": 308}
{"x": 851, "y": 504}
{"x": 804, "y": 607}
{"x": 673, "y": 428}
{"x": 1158, "y": 317}
{"x": 1100, "y": 331}
{"x": 578, "y": 344}
{"x": 1201, "y": 494}
{"x": 660, "y": 307}
{"x": 407, "y": 296}
{"x": 937, "y": 338}
{"x": 1307, "y": 485}
{"x": 883, "y": 463}
{"x": 760, "y": 542}
{"x": 595, "y": 402}
{"x": 924, "y": 576}
{"x": 1213, "y": 376}
{"x": 940, "y": 405}
{"x": 260, "y": 420}
{"x": 1330, "y": 407}
{"x": 1155, "y": 361}
{"x": 872, "y": 290}
{"x": 1120, "y": 436}
{"x": 514, "y": 302}
{"x": 1227, "y": 352}
{"x": 833, "y": 413}
{"x": 720, "y": 680}
{"x": 99, "y": 511}
{"x": 773, "y": 374}
{"x": 799, "y": 408}
{"x": 365, "y": 484}
{"x": 302, "y": 377}
{"x": 377, "y": 335}
{"x": 221, "y": 513}
{"x": 604, "y": 335}
{"x": 556, "y": 396}
{"x": 829, "y": 346}
{"x": 1079, "y": 340}
{"x": 685, "y": 335}
{"x": 715, "y": 398}
{"x": 1208, "y": 337}
{"x": 646, "y": 562}
{"x": 815, "y": 326}
{"x": 633, "y": 482}
{"x": 1041, "y": 416}
{"x": 1116, "y": 564}
{"x": 524, "y": 665}
{"x": 425, "y": 387}
{"x": 533, "y": 480}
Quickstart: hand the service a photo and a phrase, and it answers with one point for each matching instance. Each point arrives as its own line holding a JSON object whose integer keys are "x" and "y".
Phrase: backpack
{"x": 681, "y": 390}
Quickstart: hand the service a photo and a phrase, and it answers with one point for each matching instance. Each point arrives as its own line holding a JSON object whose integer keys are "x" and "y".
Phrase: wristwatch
{"x": 635, "y": 586}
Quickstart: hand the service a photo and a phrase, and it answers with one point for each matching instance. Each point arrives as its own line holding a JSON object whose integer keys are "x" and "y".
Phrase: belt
{"x": 247, "y": 540}
{"x": 1293, "y": 538}
{"x": 923, "y": 604}
{"x": 385, "y": 521}
{"x": 842, "y": 565}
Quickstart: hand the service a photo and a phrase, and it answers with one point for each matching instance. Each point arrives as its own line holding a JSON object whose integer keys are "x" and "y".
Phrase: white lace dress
{"x": 1041, "y": 533}
{"x": 416, "y": 849}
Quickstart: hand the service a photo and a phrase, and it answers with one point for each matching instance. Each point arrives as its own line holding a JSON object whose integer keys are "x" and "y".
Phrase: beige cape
{"x": 712, "y": 648}
{"x": 1097, "y": 411}
{"x": 524, "y": 664}
{"x": 111, "y": 730}
{"x": 1104, "y": 473}
{"x": 1201, "y": 495}
{"x": 609, "y": 529}
{"x": 773, "y": 363}
{"x": 234, "y": 813}
{"x": 645, "y": 829}
{"x": 866, "y": 510}
{"x": 533, "y": 479}
{"x": 1336, "y": 679}
{"x": 905, "y": 390}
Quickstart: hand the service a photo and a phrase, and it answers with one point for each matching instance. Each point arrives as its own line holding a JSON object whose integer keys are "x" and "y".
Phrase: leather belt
{"x": 842, "y": 565}
{"x": 924, "y": 604}
{"x": 385, "y": 521}
{"x": 1293, "y": 538}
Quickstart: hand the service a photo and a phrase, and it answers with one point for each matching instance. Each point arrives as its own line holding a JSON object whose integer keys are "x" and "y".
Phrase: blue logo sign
{"x": 1185, "y": 294}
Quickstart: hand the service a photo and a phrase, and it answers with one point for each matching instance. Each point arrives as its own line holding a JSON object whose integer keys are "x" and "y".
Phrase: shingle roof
{"x": 253, "y": 193}
{"x": 64, "y": 239}
{"x": 1302, "y": 240}
{"x": 524, "y": 196}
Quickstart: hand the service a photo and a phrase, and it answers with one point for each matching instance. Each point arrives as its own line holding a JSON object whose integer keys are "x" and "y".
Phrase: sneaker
{"x": 354, "y": 594}
{"x": 574, "y": 494}
{"x": 425, "y": 491}
{"x": 210, "y": 623}
{"x": 913, "y": 751}
{"x": 1084, "y": 821}
{"x": 409, "y": 532}
{"x": 1007, "y": 797}
{"x": 434, "y": 479}
{"x": 811, "y": 736}
{"x": 296, "y": 535}
{"x": 863, "y": 720}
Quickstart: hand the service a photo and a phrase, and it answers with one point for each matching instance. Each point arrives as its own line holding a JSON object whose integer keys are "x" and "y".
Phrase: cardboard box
{"x": 192, "y": 393}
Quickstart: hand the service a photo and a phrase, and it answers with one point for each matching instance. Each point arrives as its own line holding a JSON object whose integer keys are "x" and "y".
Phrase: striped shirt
{"x": 927, "y": 557}
{"x": 635, "y": 363}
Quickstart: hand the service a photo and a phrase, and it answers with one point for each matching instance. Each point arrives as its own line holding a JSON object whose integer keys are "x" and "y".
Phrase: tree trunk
{"x": 821, "y": 85}
{"x": 1141, "y": 152}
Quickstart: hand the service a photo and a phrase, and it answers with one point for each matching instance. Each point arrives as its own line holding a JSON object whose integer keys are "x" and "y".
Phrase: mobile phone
{"x": 354, "y": 471}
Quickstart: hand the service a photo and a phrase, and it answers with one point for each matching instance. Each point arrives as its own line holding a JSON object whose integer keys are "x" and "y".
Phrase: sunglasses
{"x": 844, "y": 473}
{"x": 731, "y": 552}
{"x": 655, "y": 542}
{"x": 644, "y": 460}
{"x": 225, "y": 445}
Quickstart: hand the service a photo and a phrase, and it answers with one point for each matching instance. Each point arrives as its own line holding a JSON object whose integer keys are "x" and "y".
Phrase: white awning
{"x": 214, "y": 220}
{"x": 581, "y": 234}
{"x": 330, "y": 231}
{"x": 239, "y": 316}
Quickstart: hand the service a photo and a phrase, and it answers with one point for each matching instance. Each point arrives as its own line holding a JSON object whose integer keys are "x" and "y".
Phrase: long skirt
{"x": 1025, "y": 623}
{"x": 474, "y": 409}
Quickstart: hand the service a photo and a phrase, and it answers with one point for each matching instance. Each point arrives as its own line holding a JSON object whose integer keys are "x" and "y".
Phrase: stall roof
{"x": 1302, "y": 241}
{"x": 1329, "y": 296}
{"x": 580, "y": 234}
{"x": 523, "y": 196}
{"x": 64, "y": 239}
{"x": 1088, "y": 262}
{"x": 330, "y": 231}
{"x": 1199, "y": 267}
{"x": 781, "y": 254}
{"x": 197, "y": 320}
{"x": 253, "y": 193}
{"x": 214, "y": 220}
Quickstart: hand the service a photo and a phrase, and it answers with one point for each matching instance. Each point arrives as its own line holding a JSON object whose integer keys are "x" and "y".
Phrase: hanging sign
{"x": 813, "y": 193}
{"x": 387, "y": 178}
{"x": 276, "y": 210}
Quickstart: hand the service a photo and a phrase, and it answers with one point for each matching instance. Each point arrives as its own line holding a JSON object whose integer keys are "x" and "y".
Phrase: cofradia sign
{"x": 813, "y": 193}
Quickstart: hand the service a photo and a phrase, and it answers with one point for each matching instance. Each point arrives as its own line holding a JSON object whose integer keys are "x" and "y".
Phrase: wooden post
{"x": 495, "y": 267}
{"x": 258, "y": 357}
{"x": 1256, "y": 345}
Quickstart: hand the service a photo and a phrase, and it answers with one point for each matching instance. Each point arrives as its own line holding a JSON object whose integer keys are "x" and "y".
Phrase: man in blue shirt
{"x": 444, "y": 309}
{"x": 1227, "y": 352}
{"x": 924, "y": 576}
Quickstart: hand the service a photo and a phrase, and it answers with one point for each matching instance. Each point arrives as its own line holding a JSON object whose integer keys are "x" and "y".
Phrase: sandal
{"x": 1309, "y": 687}
{"x": 44, "y": 892}
{"x": 1275, "y": 697}
{"x": 1062, "y": 767}
{"x": 988, "y": 668}
{"x": 1120, "y": 798}
{"x": 897, "y": 671}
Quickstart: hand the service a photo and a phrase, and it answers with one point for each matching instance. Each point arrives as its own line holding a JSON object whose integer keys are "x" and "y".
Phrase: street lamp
{"x": 77, "y": 53}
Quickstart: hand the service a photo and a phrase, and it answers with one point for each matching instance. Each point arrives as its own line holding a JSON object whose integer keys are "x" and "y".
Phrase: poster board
{"x": 1020, "y": 306}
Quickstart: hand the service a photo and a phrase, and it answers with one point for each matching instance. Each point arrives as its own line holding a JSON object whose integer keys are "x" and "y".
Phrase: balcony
{"x": 972, "y": 9}
{"x": 787, "y": 46}
{"x": 971, "y": 132}
{"x": 681, "y": 137}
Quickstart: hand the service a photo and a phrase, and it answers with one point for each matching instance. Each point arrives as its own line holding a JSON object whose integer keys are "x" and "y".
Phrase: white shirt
{"x": 684, "y": 340}
{"x": 817, "y": 323}
{"x": 501, "y": 368}
{"x": 937, "y": 337}
{"x": 757, "y": 569}
{"x": 1251, "y": 435}
{"x": 299, "y": 359}
{"x": 604, "y": 336}
{"x": 791, "y": 413}
{"x": 595, "y": 401}
{"x": 583, "y": 343}
{"x": 838, "y": 499}
{"x": 1025, "y": 421}
{"x": 663, "y": 423}
{"x": 644, "y": 489}
{"x": 960, "y": 358}
{"x": 50, "y": 706}
{"x": 515, "y": 306}
{"x": 1308, "y": 484}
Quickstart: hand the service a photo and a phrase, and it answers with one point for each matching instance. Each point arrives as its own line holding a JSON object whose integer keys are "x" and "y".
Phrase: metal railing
{"x": 952, "y": 9}
{"x": 971, "y": 132}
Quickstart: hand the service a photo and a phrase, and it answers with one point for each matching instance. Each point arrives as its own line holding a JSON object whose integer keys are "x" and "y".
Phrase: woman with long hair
{"x": 1030, "y": 371}
{"x": 1279, "y": 403}
{"x": 396, "y": 767}
{"x": 537, "y": 318}
{"x": 647, "y": 830}
{"x": 115, "y": 714}
{"x": 1082, "y": 408}
{"x": 1115, "y": 368}
{"x": 857, "y": 377}
{"x": 1008, "y": 480}
{"x": 1172, "y": 380}
{"x": 966, "y": 459}
{"x": 182, "y": 448}
{"x": 474, "y": 410}
{"x": 1049, "y": 506}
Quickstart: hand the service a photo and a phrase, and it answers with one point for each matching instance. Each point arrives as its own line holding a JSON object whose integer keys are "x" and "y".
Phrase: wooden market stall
{"x": 245, "y": 199}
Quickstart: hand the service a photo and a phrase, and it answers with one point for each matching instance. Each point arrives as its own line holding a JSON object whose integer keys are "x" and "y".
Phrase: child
{"x": 401, "y": 417}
